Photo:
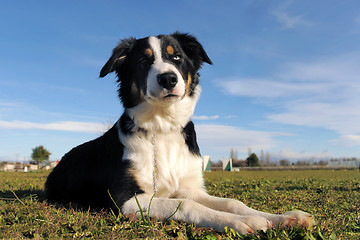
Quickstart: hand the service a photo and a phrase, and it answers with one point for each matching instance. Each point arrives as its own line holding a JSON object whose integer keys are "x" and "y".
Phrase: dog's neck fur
{"x": 161, "y": 118}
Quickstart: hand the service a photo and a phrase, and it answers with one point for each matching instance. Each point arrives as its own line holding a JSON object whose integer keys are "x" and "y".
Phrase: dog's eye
{"x": 177, "y": 57}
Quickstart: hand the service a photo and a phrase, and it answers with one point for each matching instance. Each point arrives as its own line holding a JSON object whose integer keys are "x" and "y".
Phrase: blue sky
{"x": 285, "y": 79}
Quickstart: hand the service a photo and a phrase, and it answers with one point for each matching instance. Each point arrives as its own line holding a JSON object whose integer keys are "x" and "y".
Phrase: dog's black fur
{"x": 87, "y": 172}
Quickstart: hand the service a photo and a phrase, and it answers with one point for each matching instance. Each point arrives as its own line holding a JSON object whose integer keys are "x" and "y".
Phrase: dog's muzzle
{"x": 167, "y": 80}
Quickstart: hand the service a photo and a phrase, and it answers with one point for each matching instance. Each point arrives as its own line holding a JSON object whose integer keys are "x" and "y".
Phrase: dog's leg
{"x": 291, "y": 218}
{"x": 193, "y": 212}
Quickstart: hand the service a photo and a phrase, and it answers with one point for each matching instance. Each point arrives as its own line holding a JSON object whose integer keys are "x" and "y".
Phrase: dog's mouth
{"x": 163, "y": 96}
{"x": 170, "y": 96}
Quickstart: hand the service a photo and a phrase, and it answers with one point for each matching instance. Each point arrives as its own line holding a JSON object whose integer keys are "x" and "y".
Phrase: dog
{"x": 151, "y": 152}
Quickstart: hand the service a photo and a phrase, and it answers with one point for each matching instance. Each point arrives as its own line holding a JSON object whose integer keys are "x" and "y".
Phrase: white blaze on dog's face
{"x": 164, "y": 80}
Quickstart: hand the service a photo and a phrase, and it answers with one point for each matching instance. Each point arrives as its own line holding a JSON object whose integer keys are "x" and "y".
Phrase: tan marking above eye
{"x": 148, "y": 52}
{"x": 170, "y": 50}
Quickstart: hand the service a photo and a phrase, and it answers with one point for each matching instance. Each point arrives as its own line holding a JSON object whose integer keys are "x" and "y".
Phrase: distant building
{"x": 29, "y": 168}
{"x": 33, "y": 167}
{"x": 26, "y": 167}
{"x": 9, "y": 167}
{"x": 345, "y": 163}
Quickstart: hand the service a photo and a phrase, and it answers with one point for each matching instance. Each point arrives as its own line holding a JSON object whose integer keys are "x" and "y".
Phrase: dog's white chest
{"x": 162, "y": 162}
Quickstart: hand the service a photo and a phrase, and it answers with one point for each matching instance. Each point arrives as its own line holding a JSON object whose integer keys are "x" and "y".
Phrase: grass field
{"x": 332, "y": 196}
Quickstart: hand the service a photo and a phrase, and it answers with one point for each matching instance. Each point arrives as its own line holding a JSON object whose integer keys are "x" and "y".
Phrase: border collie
{"x": 152, "y": 149}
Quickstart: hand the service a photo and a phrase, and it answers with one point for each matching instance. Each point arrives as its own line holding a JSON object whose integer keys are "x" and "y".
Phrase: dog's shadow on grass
{"x": 22, "y": 195}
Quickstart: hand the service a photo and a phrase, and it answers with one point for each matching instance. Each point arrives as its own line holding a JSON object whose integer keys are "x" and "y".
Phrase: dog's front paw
{"x": 293, "y": 218}
{"x": 241, "y": 227}
{"x": 303, "y": 219}
{"x": 250, "y": 224}
{"x": 257, "y": 223}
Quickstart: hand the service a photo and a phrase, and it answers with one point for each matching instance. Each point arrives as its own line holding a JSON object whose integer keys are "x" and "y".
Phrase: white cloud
{"x": 328, "y": 69}
{"x": 323, "y": 93}
{"x": 219, "y": 139}
{"x": 348, "y": 140}
{"x": 7, "y": 103}
{"x": 88, "y": 127}
{"x": 203, "y": 117}
{"x": 285, "y": 19}
{"x": 294, "y": 156}
{"x": 222, "y": 137}
{"x": 340, "y": 117}
{"x": 255, "y": 87}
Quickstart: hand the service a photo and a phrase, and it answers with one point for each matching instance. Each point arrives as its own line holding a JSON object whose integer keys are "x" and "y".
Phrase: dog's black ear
{"x": 192, "y": 49}
{"x": 118, "y": 56}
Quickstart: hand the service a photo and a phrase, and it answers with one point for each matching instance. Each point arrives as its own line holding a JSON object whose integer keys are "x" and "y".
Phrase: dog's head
{"x": 160, "y": 69}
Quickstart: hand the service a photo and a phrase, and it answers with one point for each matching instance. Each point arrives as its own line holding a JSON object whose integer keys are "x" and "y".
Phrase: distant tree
{"x": 262, "y": 158}
{"x": 302, "y": 163}
{"x": 284, "y": 162}
{"x": 252, "y": 160}
{"x": 40, "y": 154}
{"x": 239, "y": 163}
{"x": 322, "y": 163}
{"x": 267, "y": 159}
{"x": 233, "y": 154}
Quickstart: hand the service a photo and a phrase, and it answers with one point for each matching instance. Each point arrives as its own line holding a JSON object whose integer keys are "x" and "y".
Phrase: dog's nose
{"x": 167, "y": 80}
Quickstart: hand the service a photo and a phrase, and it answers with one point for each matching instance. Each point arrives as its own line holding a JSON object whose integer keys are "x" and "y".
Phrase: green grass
{"x": 332, "y": 196}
